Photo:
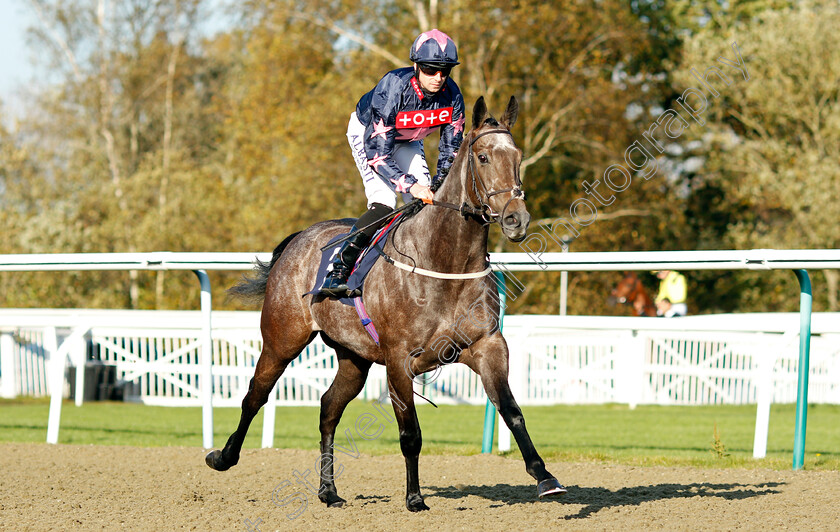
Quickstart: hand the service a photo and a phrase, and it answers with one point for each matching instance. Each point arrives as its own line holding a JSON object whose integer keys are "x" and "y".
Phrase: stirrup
{"x": 335, "y": 283}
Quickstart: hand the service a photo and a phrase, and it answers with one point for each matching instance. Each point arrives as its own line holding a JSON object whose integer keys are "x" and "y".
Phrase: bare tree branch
{"x": 59, "y": 41}
{"x": 422, "y": 16}
{"x": 335, "y": 28}
{"x": 620, "y": 213}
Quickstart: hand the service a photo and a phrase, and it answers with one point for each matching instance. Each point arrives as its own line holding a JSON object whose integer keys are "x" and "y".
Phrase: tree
{"x": 773, "y": 141}
{"x": 115, "y": 124}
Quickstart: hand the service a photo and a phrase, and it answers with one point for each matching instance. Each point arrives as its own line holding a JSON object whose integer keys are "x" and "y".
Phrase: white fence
{"x": 719, "y": 359}
{"x": 617, "y": 376}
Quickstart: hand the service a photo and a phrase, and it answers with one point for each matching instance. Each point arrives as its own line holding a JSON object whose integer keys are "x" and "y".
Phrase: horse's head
{"x": 493, "y": 181}
{"x": 626, "y": 289}
{"x": 631, "y": 291}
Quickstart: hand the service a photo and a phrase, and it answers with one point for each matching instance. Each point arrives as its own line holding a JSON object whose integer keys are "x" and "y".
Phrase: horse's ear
{"x": 511, "y": 113}
{"x": 479, "y": 112}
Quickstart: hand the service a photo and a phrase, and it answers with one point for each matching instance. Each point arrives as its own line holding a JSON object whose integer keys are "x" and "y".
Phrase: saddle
{"x": 357, "y": 277}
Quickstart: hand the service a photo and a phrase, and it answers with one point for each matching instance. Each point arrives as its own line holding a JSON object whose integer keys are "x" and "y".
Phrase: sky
{"x": 15, "y": 59}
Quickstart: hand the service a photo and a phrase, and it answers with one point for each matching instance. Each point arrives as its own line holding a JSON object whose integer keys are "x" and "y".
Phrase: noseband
{"x": 484, "y": 212}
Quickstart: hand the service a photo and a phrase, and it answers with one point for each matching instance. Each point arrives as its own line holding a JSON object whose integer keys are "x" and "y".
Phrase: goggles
{"x": 430, "y": 69}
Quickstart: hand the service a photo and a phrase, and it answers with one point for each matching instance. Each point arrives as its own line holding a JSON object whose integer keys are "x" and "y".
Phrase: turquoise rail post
{"x": 489, "y": 409}
{"x": 805, "y": 299}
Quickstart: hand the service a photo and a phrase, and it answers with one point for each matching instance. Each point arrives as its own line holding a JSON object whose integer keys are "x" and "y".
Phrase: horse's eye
{"x": 482, "y": 158}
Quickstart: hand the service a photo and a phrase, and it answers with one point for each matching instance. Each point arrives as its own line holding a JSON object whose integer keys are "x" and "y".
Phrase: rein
{"x": 422, "y": 271}
{"x": 484, "y": 213}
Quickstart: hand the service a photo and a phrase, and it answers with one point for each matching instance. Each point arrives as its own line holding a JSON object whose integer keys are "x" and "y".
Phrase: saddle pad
{"x": 363, "y": 265}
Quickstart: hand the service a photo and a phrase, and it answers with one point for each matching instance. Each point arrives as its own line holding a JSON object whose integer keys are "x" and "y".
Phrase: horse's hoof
{"x": 550, "y": 487}
{"x": 332, "y": 500}
{"x": 215, "y": 461}
{"x": 416, "y": 504}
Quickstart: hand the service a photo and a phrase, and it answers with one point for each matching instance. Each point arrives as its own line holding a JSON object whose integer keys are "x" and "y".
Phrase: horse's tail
{"x": 251, "y": 290}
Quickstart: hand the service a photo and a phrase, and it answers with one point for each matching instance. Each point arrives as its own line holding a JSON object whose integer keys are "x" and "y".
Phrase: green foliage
{"x": 770, "y": 141}
{"x": 718, "y": 448}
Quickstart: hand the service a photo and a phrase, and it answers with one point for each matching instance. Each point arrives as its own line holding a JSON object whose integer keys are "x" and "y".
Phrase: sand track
{"x": 68, "y": 487}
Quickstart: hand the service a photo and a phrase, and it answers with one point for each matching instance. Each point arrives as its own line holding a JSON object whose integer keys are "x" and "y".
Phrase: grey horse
{"x": 409, "y": 309}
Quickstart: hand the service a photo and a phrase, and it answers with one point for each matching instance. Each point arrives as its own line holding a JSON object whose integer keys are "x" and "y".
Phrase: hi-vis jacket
{"x": 397, "y": 110}
{"x": 672, "y": 287}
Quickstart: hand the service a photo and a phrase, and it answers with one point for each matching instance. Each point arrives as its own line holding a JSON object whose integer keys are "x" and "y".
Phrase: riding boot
{"x": 335, "y": 283}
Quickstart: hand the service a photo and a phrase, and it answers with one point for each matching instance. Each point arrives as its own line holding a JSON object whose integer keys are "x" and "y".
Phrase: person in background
{"x": 670, "y": 301}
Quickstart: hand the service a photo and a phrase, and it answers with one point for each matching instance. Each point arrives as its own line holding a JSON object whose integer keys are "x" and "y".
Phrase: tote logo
{"x": 427, "y": 118}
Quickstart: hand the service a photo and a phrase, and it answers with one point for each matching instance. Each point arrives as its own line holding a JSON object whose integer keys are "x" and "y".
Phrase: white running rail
{"x": 177, "y": 359}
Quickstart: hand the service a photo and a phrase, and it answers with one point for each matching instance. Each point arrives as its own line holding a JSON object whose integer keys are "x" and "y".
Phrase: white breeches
{"x": 409, "y": 156}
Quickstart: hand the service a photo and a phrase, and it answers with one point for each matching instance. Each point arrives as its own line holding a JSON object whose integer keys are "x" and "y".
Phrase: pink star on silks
{"x": 437, "y": 35}
{"x": 380, "y": 129}
{"x": 377, "y": 161}
{"x": 415, "y": 134}
{"x": 458, "y": 125}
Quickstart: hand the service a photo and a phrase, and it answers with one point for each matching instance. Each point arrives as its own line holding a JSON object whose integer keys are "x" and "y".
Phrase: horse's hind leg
{"x": 349, "y": 380}
{"x": 490, "y": 361}
{"x": 271, "y": 364}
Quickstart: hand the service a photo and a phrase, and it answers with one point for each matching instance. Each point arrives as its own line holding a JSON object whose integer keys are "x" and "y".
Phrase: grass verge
{"x": 699, "y": 436}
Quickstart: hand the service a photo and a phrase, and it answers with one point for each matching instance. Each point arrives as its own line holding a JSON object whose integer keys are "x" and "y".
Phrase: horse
{"x": 458, "y": 316}
{"x": 631, "y": 291}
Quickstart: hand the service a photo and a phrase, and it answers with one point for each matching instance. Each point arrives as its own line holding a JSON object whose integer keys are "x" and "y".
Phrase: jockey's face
{"x": 431, "y": 84}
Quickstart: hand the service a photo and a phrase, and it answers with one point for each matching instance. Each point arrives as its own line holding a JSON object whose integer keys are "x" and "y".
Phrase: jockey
{"x": 386, "y": 135}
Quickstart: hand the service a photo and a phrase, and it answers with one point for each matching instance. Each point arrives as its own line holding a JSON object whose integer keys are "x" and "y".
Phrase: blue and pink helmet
{"x": 434, "y": 47}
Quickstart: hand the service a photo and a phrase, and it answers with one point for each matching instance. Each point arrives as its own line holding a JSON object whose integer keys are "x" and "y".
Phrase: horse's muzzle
{"x": 515, "y": 225}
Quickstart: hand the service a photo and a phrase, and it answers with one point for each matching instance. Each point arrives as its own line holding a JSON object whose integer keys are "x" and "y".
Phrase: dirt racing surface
{"x": 65, "y": 487}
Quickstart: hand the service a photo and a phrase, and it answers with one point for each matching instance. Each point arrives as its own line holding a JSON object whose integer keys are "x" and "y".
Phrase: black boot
{"x": 335, "y": 283}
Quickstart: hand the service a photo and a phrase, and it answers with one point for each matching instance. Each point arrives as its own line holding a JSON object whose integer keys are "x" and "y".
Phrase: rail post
{"x": 206, "y": 360}
{"x": 489, "y": 409}
{"x": 56, "y": 382}
{"x": 7, "y": 365}
{"x": 805, "y": 300}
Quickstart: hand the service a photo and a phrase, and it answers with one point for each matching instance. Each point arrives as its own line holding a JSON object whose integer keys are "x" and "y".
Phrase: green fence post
{"x": 489, "y": 409}
{"x": 805, "y": 299}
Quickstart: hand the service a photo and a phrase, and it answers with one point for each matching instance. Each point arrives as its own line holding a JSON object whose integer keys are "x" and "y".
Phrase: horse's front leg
{"x": 402, "y": 396}
{"x": 489, "y": 358}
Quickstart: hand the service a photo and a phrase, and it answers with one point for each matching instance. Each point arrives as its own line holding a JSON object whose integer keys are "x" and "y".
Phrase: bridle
{"x": 484, "y": 213}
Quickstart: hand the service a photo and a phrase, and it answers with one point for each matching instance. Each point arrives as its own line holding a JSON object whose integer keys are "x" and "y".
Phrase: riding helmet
{"x": 434, "y": 47}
